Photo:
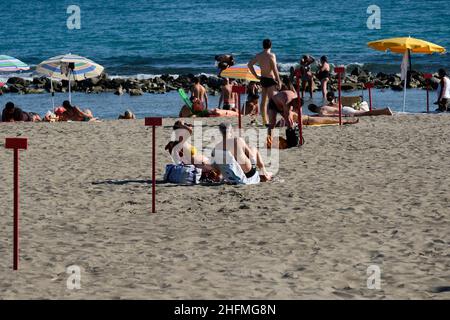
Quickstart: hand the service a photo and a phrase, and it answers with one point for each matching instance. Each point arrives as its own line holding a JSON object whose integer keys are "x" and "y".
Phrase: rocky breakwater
{"x": 353, "y": 80}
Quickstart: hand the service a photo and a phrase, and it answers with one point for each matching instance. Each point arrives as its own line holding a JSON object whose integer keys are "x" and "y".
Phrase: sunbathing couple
{"x": 12, "y": 113}
{"x": 233, "y": 161}
{"x": 67, "y": 112}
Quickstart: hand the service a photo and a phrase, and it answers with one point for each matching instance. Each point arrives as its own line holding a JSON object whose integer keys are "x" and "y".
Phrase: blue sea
{"x": 143, "y": 38}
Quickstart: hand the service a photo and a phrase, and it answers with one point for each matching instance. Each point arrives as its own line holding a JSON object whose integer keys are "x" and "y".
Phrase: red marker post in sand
{"x": 298, "y": 75}
{"x": 369, "y": 86}
{"x": 239, "y": 90}
{"x": 16, "y": 144}
{"x": 427, "y": 77}
{"x": 153, "y": 122}
{"x": 340, "y": 71}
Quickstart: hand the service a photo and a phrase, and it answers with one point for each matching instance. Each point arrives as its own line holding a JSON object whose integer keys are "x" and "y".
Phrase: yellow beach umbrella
{"x": 241, "y": 72}
{"x": 402, "y": 45}
{"x": 406, "y": 46}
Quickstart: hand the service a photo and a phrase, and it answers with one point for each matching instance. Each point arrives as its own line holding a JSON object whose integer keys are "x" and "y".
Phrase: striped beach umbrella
{"x": 69, "y": 67}
{"x": 241, "y": 72}
{"x": 10, "y": 64}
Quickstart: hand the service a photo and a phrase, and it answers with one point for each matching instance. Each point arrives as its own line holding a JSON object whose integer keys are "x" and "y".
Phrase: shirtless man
{"x": 227, "y": 97}
{"x": 198, "y": 91}
{"x": 283, "y": 103}
{"x": 332, "y": 109}
{"x": 270, "y": 77}
{"x": 247, "y": 157}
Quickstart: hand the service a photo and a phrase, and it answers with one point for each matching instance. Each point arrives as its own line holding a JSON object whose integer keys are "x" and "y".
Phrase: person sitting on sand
{"x": 332, "y": 109}
{"x": 11, "y": 113}
{"x": 444, "y": 92}
{"x": 233, "y": 154}
{"x": 198, "y": 91}
{"x": 253, "y": 89}
{"x": 228, "y": 98}
{"x": 128, "y": 115}
{"x": 73, "y": 113}
{"x": 183, "y": 152}
{"x": 252, "y": 106}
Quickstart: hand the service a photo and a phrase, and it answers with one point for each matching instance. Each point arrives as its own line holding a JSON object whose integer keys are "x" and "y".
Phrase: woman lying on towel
{"x": 187, "y": 112}
{"x": 317, "y": 120}
{"x": 183, "y": 152}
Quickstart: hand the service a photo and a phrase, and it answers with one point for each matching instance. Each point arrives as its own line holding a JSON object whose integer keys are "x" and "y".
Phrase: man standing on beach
{"x": 270, "y": 77}
{"x": 198, "y": 91}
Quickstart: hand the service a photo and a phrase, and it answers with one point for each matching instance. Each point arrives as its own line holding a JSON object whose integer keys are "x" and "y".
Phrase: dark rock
{"x": 40, "y": 81}
{"x": 381, "y": 76}
{"x": 349, "y": 86}
{"x": 18, "y": 81}
{"x": 34, "y": 91}
{"x": 397, "y": 87}
{"x": 14, "y": 89}
{"x": 135, "y": 92}
{"x": 358, "y": 71}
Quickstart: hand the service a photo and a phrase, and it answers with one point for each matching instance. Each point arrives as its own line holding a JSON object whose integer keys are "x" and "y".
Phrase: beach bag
{"x": 292, "y": 136}
{"x": 182, "y": 174}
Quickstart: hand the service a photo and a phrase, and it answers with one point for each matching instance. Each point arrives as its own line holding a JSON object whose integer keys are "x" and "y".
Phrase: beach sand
{"x": 375, "y": 193}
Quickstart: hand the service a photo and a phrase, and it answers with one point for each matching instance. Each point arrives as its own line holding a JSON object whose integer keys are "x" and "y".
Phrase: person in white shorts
{"x": 444, "y": 92}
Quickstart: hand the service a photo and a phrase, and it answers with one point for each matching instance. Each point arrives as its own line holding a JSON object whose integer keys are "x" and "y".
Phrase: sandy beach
{"x": 375, "y": 193}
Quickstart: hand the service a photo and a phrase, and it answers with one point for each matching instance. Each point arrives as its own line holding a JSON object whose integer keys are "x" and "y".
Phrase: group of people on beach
{"x": 64, "y": 113}
{"x": 67, "y": 112}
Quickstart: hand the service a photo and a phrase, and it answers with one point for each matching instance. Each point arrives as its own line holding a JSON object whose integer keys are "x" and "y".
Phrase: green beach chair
{"x": 185, "y": 98}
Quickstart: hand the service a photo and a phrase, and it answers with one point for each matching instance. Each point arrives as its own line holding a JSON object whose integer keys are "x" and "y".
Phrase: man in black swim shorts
{"x": 270, "y": 77}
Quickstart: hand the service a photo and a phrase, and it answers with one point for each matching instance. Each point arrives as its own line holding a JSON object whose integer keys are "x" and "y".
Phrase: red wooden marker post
{"x": 153, "y": 122}
{"x": 16, "y": 144}
{"x": 298, "y": 75}
{"x": 369, "y": 86}
{"x": 427, "y": 77}
{"x": 239, "y": 90}
{"x": 340, "y": 71}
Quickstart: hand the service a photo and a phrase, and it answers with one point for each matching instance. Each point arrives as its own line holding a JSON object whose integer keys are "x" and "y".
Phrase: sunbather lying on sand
{"x": 186, "y": 112}
{"x": 73, "y": 113}
{"x": 12, "y": 113}
{"x": 233, "y": 154}
{"x": 284, "y": 103}
{"x": 332, "y": 109}
{"x": 317, "y": 120}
